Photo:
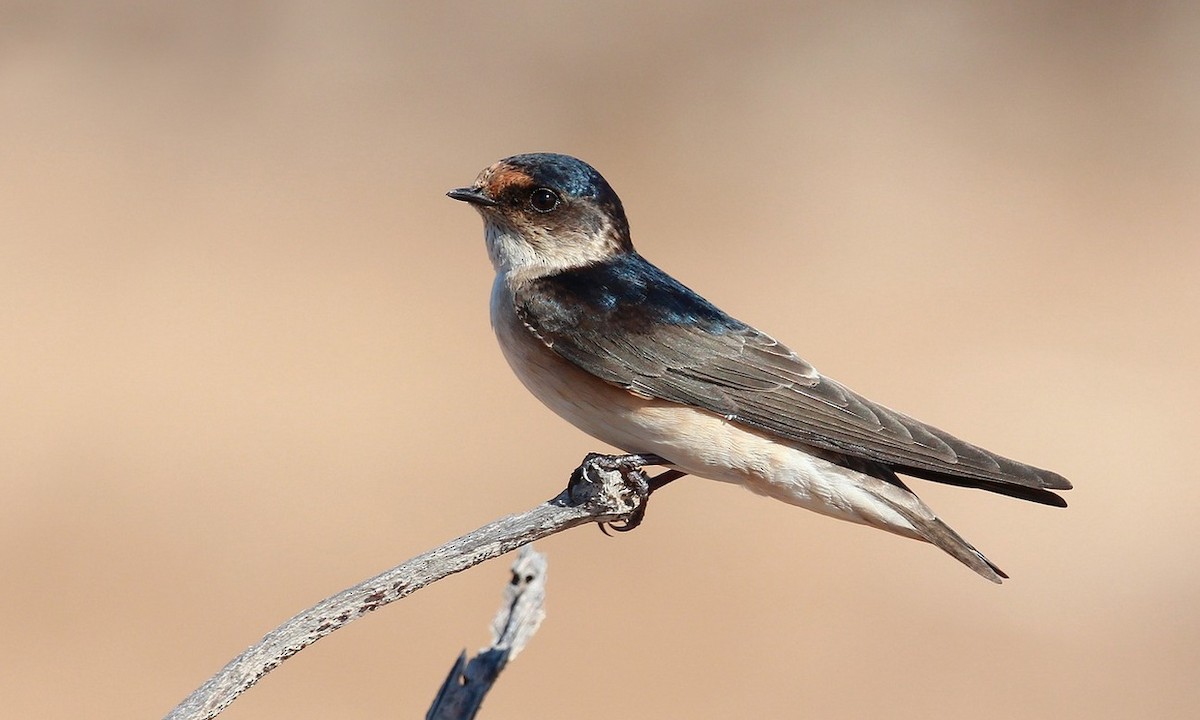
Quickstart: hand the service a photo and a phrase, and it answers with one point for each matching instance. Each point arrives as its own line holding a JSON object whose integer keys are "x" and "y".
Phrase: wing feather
{"x": 634, "y": 326}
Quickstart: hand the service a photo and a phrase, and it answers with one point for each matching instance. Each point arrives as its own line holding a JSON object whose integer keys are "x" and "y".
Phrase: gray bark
{"x": 601, "y": 495}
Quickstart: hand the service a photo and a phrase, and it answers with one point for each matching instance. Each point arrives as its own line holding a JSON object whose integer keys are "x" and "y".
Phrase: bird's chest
{"x": 594, "y": 406}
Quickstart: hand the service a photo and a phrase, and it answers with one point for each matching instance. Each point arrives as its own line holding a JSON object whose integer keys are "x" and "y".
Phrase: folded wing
{"x": 634, "y": 326}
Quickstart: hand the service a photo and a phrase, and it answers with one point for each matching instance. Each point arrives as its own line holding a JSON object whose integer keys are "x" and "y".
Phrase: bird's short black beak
{"x": 472, "y": 195}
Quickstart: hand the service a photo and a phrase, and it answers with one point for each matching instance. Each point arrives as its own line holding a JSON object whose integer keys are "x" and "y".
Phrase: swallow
{"x": 632, "y": 357}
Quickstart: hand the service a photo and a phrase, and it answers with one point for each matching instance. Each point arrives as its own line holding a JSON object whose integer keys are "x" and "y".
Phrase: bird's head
{"x": 544, "y": 213}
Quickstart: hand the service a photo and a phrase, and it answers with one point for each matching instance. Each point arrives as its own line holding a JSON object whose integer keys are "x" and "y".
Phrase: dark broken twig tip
{"x": 521, "y": 613}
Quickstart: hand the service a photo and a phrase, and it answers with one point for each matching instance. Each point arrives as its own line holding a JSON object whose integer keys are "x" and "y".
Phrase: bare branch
{"x": 524, "y": 606}
{"x": 522, "y": 611}
{"x": 599, "y": 492}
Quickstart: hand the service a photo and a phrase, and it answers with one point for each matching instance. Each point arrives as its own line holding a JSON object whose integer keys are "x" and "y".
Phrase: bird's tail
{"x": 933, "y": 530}
{"x": 930, "y": 528}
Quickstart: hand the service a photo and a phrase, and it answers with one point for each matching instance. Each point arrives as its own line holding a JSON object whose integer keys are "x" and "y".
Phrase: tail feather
{"x": 933, "y": 530}
{"x": 883, "y": 484}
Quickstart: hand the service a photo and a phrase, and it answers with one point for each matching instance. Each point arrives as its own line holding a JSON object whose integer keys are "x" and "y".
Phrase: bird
{"x": 634, "y": 358}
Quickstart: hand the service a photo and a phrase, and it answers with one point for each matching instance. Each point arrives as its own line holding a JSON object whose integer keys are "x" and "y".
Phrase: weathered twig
{"x": 520, "y": 614}
{"x": 599, "y": 492}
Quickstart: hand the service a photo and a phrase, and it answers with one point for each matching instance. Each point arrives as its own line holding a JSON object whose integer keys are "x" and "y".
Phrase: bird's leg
{"x": 663, "y": 478}
{"x": 630, "y": 468}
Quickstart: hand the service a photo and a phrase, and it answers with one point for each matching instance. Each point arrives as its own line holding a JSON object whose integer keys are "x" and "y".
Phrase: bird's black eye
{"x": 543, "y": 200}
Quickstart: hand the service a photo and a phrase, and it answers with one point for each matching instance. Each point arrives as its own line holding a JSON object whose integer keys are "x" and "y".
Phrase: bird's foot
{"x": 632, "y": 474}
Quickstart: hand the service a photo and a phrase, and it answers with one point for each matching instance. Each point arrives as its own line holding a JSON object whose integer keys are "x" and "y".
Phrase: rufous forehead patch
{"x": 500, "y": 177}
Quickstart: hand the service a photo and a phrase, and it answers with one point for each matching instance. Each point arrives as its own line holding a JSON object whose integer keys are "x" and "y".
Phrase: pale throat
{"x": 520, "y": 259}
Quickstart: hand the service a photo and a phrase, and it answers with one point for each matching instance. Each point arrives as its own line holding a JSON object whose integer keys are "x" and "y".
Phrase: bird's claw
{"x": 637, "y": 482}
{"x": 631, "y": 470}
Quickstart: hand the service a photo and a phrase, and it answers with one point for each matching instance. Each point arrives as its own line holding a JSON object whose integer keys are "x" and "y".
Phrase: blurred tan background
{"x": 245, "y": 358}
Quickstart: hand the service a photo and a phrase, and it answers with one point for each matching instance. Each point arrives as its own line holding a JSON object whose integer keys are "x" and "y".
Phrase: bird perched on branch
{"x": 631, "y": 356}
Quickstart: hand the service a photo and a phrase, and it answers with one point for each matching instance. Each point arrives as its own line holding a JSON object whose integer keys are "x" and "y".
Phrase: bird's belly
{"x": 693, "y": 440}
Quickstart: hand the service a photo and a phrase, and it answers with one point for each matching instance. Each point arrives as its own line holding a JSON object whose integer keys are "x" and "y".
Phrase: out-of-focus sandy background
{"x": 245, "y": 358}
